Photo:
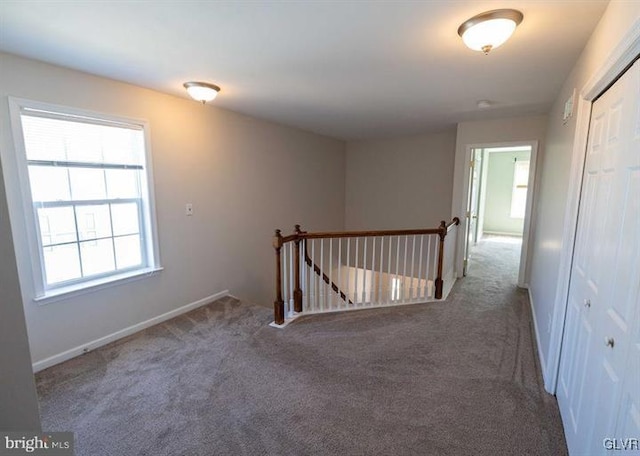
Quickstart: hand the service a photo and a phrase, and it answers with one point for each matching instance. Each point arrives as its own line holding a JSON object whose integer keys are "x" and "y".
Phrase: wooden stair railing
{"x": 279, "y": 241}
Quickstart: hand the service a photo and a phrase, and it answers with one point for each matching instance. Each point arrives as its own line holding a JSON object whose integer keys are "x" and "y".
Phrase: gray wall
{"x": 555, "y": 171}
{"x": 244, "y": 176}
{"x": 499, "y": 188}
{"x": 399, "y": 183}
{"x": 18, "y": 401}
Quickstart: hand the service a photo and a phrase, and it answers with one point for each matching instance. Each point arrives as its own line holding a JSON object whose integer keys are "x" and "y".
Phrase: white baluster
{"x": 346, "y": 291}
{"x": 355, "y": 286}
{"x": 434, "y": 273}
{"x": 285, "y": 279}
{"x": 388, "y": 281}
{"x": 323, "y": 293}
{"x": 379, "y": 297}
{"x": 340, "y": 284}
{"x": 331, "y": 293}
{"x": 364, "y": 272}
{"x": 305, "y": 275}
{"x": 426, "y": 269}
{"x": 412, "y": 287}
{"x": 404, "y": 273}
{"x": 373, "y": 272}
{"x": 291, "y": 279}
{"x": 397, "y": 295}
{"x": 420, "y": 291}
{"x": 314, "y": 276}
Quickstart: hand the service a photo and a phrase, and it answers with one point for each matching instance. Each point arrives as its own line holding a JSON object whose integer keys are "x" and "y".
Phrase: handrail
{"x": 369, "y": 233}
{"x": 350, "y": 234}
{"x": 299, "y": 235}
{"x": 454, "y": 221}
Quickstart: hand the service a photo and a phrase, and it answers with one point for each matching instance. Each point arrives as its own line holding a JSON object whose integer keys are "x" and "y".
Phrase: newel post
{"x": 439, "y": 281}
{"x": 297, "y": 291}
{"x": 278, "y": 304}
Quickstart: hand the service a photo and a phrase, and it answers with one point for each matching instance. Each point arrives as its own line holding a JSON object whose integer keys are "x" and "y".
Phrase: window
{"x": 519, "y": 193}
{"x": 86, "y": 177}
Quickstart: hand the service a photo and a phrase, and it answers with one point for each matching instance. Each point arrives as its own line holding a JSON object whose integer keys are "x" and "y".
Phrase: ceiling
{"x": 348, "y": 69}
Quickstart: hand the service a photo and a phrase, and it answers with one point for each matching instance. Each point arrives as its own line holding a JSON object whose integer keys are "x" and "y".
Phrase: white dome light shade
{"x": 489, "y": 30}
{"x": 202, "y": 91}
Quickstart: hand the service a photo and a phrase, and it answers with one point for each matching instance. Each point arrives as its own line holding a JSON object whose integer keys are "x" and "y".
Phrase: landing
{"x": 447, "y": 378}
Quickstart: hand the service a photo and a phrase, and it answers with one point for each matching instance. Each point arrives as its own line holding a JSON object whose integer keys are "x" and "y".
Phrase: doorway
{"x": 498, "y": 199}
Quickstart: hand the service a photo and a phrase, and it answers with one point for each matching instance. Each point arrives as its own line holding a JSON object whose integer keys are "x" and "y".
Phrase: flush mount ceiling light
{"x": 489, "y": 30}
{"x": 202, "y": 91}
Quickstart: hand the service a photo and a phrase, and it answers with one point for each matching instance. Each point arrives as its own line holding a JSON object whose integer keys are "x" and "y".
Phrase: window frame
{"x": 43, "y": 293}
{"x": 515, "y": 187}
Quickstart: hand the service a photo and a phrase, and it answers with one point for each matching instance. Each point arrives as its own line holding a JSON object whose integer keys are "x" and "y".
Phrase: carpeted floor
{"x": 449, "y": 378}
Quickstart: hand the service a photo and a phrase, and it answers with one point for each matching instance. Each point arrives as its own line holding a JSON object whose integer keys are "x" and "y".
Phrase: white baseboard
{"x": 92, "y": 345}
{"x": 503, "y": 233}
{"x": 543, "y": 364}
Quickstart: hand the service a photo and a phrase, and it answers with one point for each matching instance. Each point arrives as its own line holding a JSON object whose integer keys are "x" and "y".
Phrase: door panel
{"x": 596, "y": 374}
{"x": 628, "y": 422}
{"x": 471, "y": 232}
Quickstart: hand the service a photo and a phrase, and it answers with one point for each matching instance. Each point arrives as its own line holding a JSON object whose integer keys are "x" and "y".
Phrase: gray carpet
{"x": 449, "y": 378}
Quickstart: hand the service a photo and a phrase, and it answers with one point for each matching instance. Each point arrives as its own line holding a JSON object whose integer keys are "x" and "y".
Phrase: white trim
{"x": 536, "y": 333}
{"x": 92, "y": 345}
{"x": 21, "y": 201}
{"x": 529, "y": 215}
{"x": 503, "y": 233}
{"x": 59, "y": 294}
{"x": 21, "y": 206}
{"x": 295, "y": 315}
{"x": 623, "y": 54}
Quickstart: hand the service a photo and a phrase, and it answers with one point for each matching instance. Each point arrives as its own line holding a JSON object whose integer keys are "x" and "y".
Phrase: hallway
{"x": 446, "y": 378}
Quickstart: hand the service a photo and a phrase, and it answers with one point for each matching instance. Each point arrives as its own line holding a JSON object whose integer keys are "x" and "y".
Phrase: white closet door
{"x": 603, "y": 295}
{"x": 628, "y": 420}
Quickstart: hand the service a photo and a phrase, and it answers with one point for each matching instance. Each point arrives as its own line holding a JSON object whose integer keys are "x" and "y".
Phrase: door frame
{"x": 473, "y": 163}
{"x": 619, "y": 59}
{"x": 528, "y": 216}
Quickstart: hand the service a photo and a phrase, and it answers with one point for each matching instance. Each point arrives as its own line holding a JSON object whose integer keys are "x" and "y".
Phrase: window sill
{"x": 91, "y": 286}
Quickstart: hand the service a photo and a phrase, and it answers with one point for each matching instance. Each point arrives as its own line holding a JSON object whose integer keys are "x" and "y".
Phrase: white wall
{"x": 399, "y": 183}
{"x": 618, "y": 19}
{"x": 245, "y": 177}
{"x": 18, "y": 401}
{"x": 488, "y": 133}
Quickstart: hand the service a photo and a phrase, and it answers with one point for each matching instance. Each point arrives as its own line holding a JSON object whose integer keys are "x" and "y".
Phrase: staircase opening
{"x": 350, "y": 270}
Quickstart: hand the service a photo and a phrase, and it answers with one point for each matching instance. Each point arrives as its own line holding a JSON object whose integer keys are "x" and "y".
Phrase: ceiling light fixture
{"x": 202, "y": 91}
{"x": 489, "y": 30}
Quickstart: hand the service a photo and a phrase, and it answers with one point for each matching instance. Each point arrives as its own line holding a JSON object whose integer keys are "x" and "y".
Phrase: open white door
{"x": 471, "y": 222}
